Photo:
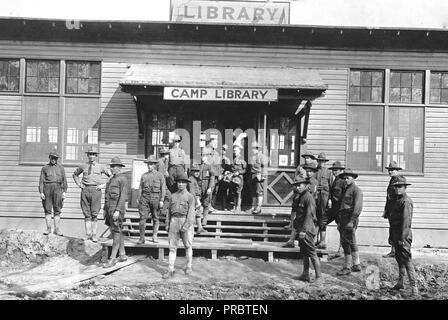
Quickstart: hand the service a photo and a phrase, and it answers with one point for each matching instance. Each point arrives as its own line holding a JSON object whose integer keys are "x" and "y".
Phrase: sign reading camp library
{"x": 220, "y": 94}
{"x": 230, "y": 12}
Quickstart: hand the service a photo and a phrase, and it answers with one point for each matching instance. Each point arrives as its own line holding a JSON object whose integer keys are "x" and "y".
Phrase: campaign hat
{"x": 393, "y": 165}
{"x": 400, "y": 181}
{"x": 151, "y": 159}
{"x": 337, "y": 165}
{"x": 349, "y": 172}
{"x": 116, "y": 162}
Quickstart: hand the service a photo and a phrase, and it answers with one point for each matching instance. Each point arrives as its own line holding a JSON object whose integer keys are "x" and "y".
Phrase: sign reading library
{"x": 220, "y": 94}
{"x": 230, "y": 12}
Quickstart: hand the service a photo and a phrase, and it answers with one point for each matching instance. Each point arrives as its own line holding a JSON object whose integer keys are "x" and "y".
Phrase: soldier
{"x": 400, "y": 217}
{"x": 238, "y": 169}
{"x": 309, "y": 158}
{"x": 206, "y": 182}
{"x": 194, "y": 189}
{"x": 52, "y": 189}
{"x": 304, "y": 223}
{"x": 349, "y": 211}
{"x": 91, "y": 187}
{"x": 336, "y": 191}
{"x": 393, "y": 170}
{"x": 162, "y": 167}
{"x": 176, "y": 165}
{"x": 310, "y": 172}
{"x": 258, "y": 172}
{"x": 323, "y": 177}
{"x": 150, "y": 198}
{"x": 224, "y": 179}
{"x": 180, "y": 224}
{"x": 214, "y": 160}
{"x": 115, "y": 204}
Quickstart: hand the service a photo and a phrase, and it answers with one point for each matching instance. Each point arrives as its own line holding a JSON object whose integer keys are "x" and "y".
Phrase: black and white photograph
{"x": 224, "y": 154}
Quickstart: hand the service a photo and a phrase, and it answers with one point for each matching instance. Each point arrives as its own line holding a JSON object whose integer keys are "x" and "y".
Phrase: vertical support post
{"x": 265, "y": 232}
{"x": 214, "y": 254}
{"x": 161, "y": 256}
{"x": 270, "y": 256}
{"x": 218, "y": 229}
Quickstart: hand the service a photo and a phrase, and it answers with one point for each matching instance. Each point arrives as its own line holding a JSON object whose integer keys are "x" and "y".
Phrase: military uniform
{"x": 324, "y": 176}
{"x": 115, "y": 198}
{"x": 52, "y": 184}
{"x": 206, "y": 181}
{"x": 238, "y": 168}
{"x": 176, "y": 166}
{"x": 195, "y": 190}
{"x": 90, "y": 196}
{"x": 336, "y": 191}
{"x": 152, "y": 192}
{"x": 391, "y": 197}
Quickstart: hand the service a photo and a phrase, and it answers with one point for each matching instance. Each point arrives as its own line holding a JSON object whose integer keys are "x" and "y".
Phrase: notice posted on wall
{"x": 139, "y": 167}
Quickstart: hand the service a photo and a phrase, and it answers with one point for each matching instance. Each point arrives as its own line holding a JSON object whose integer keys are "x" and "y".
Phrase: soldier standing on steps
{"x": 305, "y": 221}
{"x": 180, "y": 224}
{"x": 323, "y": 177}
{"x": 194, "y": 189}
{"x": 114, "y": 209}
{"x": 401, "y": 234}
{"x": 91, "y": 187}
{"x": 150, "y": 198}
{"x": 52, "y": 189}
{"x": 162, "y": 167}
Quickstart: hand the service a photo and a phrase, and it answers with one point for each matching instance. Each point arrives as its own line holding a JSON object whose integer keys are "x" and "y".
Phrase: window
{"x": 366, "y": 86}
{"x": 9, "y": 75}
{"x": 364, "y": 135}
{"x": 41, "y": 122}
{"x": 81, "y": 127}
{"x": 372, "y": 142}
{"x": 283, "y": 131}
{"x": 83, "y": 77}
{"x": 439, "y": 87}
{"x": 162, "y": 131}
{"x": 42, "y": 76}
{"x": 406, "y": 87}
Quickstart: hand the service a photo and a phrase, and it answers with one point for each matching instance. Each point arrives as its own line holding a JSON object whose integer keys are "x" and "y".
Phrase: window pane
{"x": 377, "y": 79}
{"x": 394, "y": 80}
{"x": 40, "y": 127}
{"x": 444, "y": 96}
{"x": 435, "y": 96}
{"x": 445, "y": 80}
{"x": 355, "y": 78}
{"x": 355, "y": 94}
{"x": 406, "y": 87}
{"x": 83, "y": 77}
{"x": 81, "y": 130}
{"x": 395, "y": 95}
{"x": 417, "y": 96}
{"x": 406, "y": 79}
{"x": 9, "y": 75}
{"x": 42, "y": 76}
{"x": 377, "y": 94}
{"x": 406, "y": 95}
{"x": 366, "y": 86}
{"x": 435, "y": 80}
{"x": 405, "y": 136}
{"x": 366, "y": 78}
{"x": 364, "y": 134}
{"x": 366, "y": 93}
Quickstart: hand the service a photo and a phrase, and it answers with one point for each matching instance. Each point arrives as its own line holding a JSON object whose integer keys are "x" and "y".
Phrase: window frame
{"x": 19, "y": 85}
{"x": 77, "y": 93}
{"x": 435, "y": 104}
{"x": 59, "y": 92}
{"x": 62, "y": 95}
{"x": 385, "y": 108}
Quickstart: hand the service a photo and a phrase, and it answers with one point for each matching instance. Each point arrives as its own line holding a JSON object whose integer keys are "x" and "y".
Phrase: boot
{"x": 346, "y": 270}
{"x": 391, "y": 254}
{"x": 258, "y": 207}
{"x": 168, "y": 274}
{"x": 57, "y": 220}
{"x": 48, "y": 223}
{"x": 155, "y": 230}
{"x": 252, "y": 208}
{"x": 238, "y": 204}
{"x": 200, "y": 228}
{"x": 88, "y": 224}
{"x": 205, "y": 214}
{"x": 322, "y": 244}
{"x": 316, "y": 266}
{"x": 400, "y": 283}
{"x": 305, "y": 276}
{"x": 356, "y": 263}
{"x": 94, "y": 231}
{"x": 142, "y": 229}
{"x": 411, "y": 275}
{"x": 110, "y": 263}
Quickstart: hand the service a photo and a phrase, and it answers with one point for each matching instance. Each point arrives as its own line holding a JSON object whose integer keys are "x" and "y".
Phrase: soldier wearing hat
{"x": 336, "y": 191}
{"x": 116, "y": 197}
{"x": 258, "y": 171}
{"x": 91, "y": 186}
{"x": 151, "y": 194}
{"x": 162, "y": 167}
{"x": 195, "y": 189}
{"x": 400, "y": 217}
{"x": 214, "y": 160}
{"x": 323, "y": 177}
{"x": 52, "y": 189}
{"x": 180, "y": 224}
{"x": 206, "y": 182}
{"x": 176, "y": 164}
{"x": 224, "y": 179}
{"x": 349, "y": 211}
{"x": 394, "y": 171}
{"x": 238, "y": 170}
{"x": 308, "y": 159}
{"x": 305, "y": 225}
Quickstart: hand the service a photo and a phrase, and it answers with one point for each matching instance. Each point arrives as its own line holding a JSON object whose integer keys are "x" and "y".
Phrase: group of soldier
{"x": 321, "y": 195}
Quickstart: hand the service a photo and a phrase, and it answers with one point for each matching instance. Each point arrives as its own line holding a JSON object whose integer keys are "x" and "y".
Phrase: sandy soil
{"x": 31, "y": 258}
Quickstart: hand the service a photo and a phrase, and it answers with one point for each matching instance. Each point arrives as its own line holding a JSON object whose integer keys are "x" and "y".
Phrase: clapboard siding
{"x": 327, "y": 127}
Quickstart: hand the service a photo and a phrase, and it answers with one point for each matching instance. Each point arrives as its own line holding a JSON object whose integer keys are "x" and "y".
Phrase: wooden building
{"x": 363, "y": 96}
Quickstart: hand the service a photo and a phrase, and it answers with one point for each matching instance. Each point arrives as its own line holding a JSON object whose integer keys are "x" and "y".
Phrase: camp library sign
{"x": 236, "y": 12}
{"x": 220, "y": 94}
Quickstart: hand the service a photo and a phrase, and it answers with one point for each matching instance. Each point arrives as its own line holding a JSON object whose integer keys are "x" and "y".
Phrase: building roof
{"x": 223, "y": 76}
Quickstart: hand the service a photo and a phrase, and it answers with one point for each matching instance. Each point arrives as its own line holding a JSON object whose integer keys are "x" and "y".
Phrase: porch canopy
{"x": 163, "y": 75}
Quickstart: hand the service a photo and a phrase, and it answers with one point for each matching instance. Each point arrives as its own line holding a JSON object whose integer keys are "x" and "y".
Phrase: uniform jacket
{"x": 337, "y": 190}
{"x": 94, "y": 178}
{"x": 116, "y": 193}
{"x": 193, "y": 186}
{"x": 177, "y": 157}
{"x": 259, "y": 164}
{"x": 351, "y": 204}
{"x": 401, "y": 218}
{"x": 324, "y": 177}
{"x": 312, "y": 187}
{"x": 162, "y": 166}
{"x": 305, "y": 208}
{"x": 183, "y": 203}
{"x": 52, "y": 174}
{"x": 390, "y": 197}
{"x": 206, "y": 176}
{"x": 238, "y": 165}
{"x": 153, "y": 182}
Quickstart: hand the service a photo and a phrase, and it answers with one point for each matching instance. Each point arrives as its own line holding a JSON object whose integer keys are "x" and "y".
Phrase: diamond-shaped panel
{"x": 282, "y": 187}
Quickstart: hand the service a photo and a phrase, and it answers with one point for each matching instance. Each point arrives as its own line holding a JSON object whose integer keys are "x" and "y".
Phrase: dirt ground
{"x": 28, "y": 258}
